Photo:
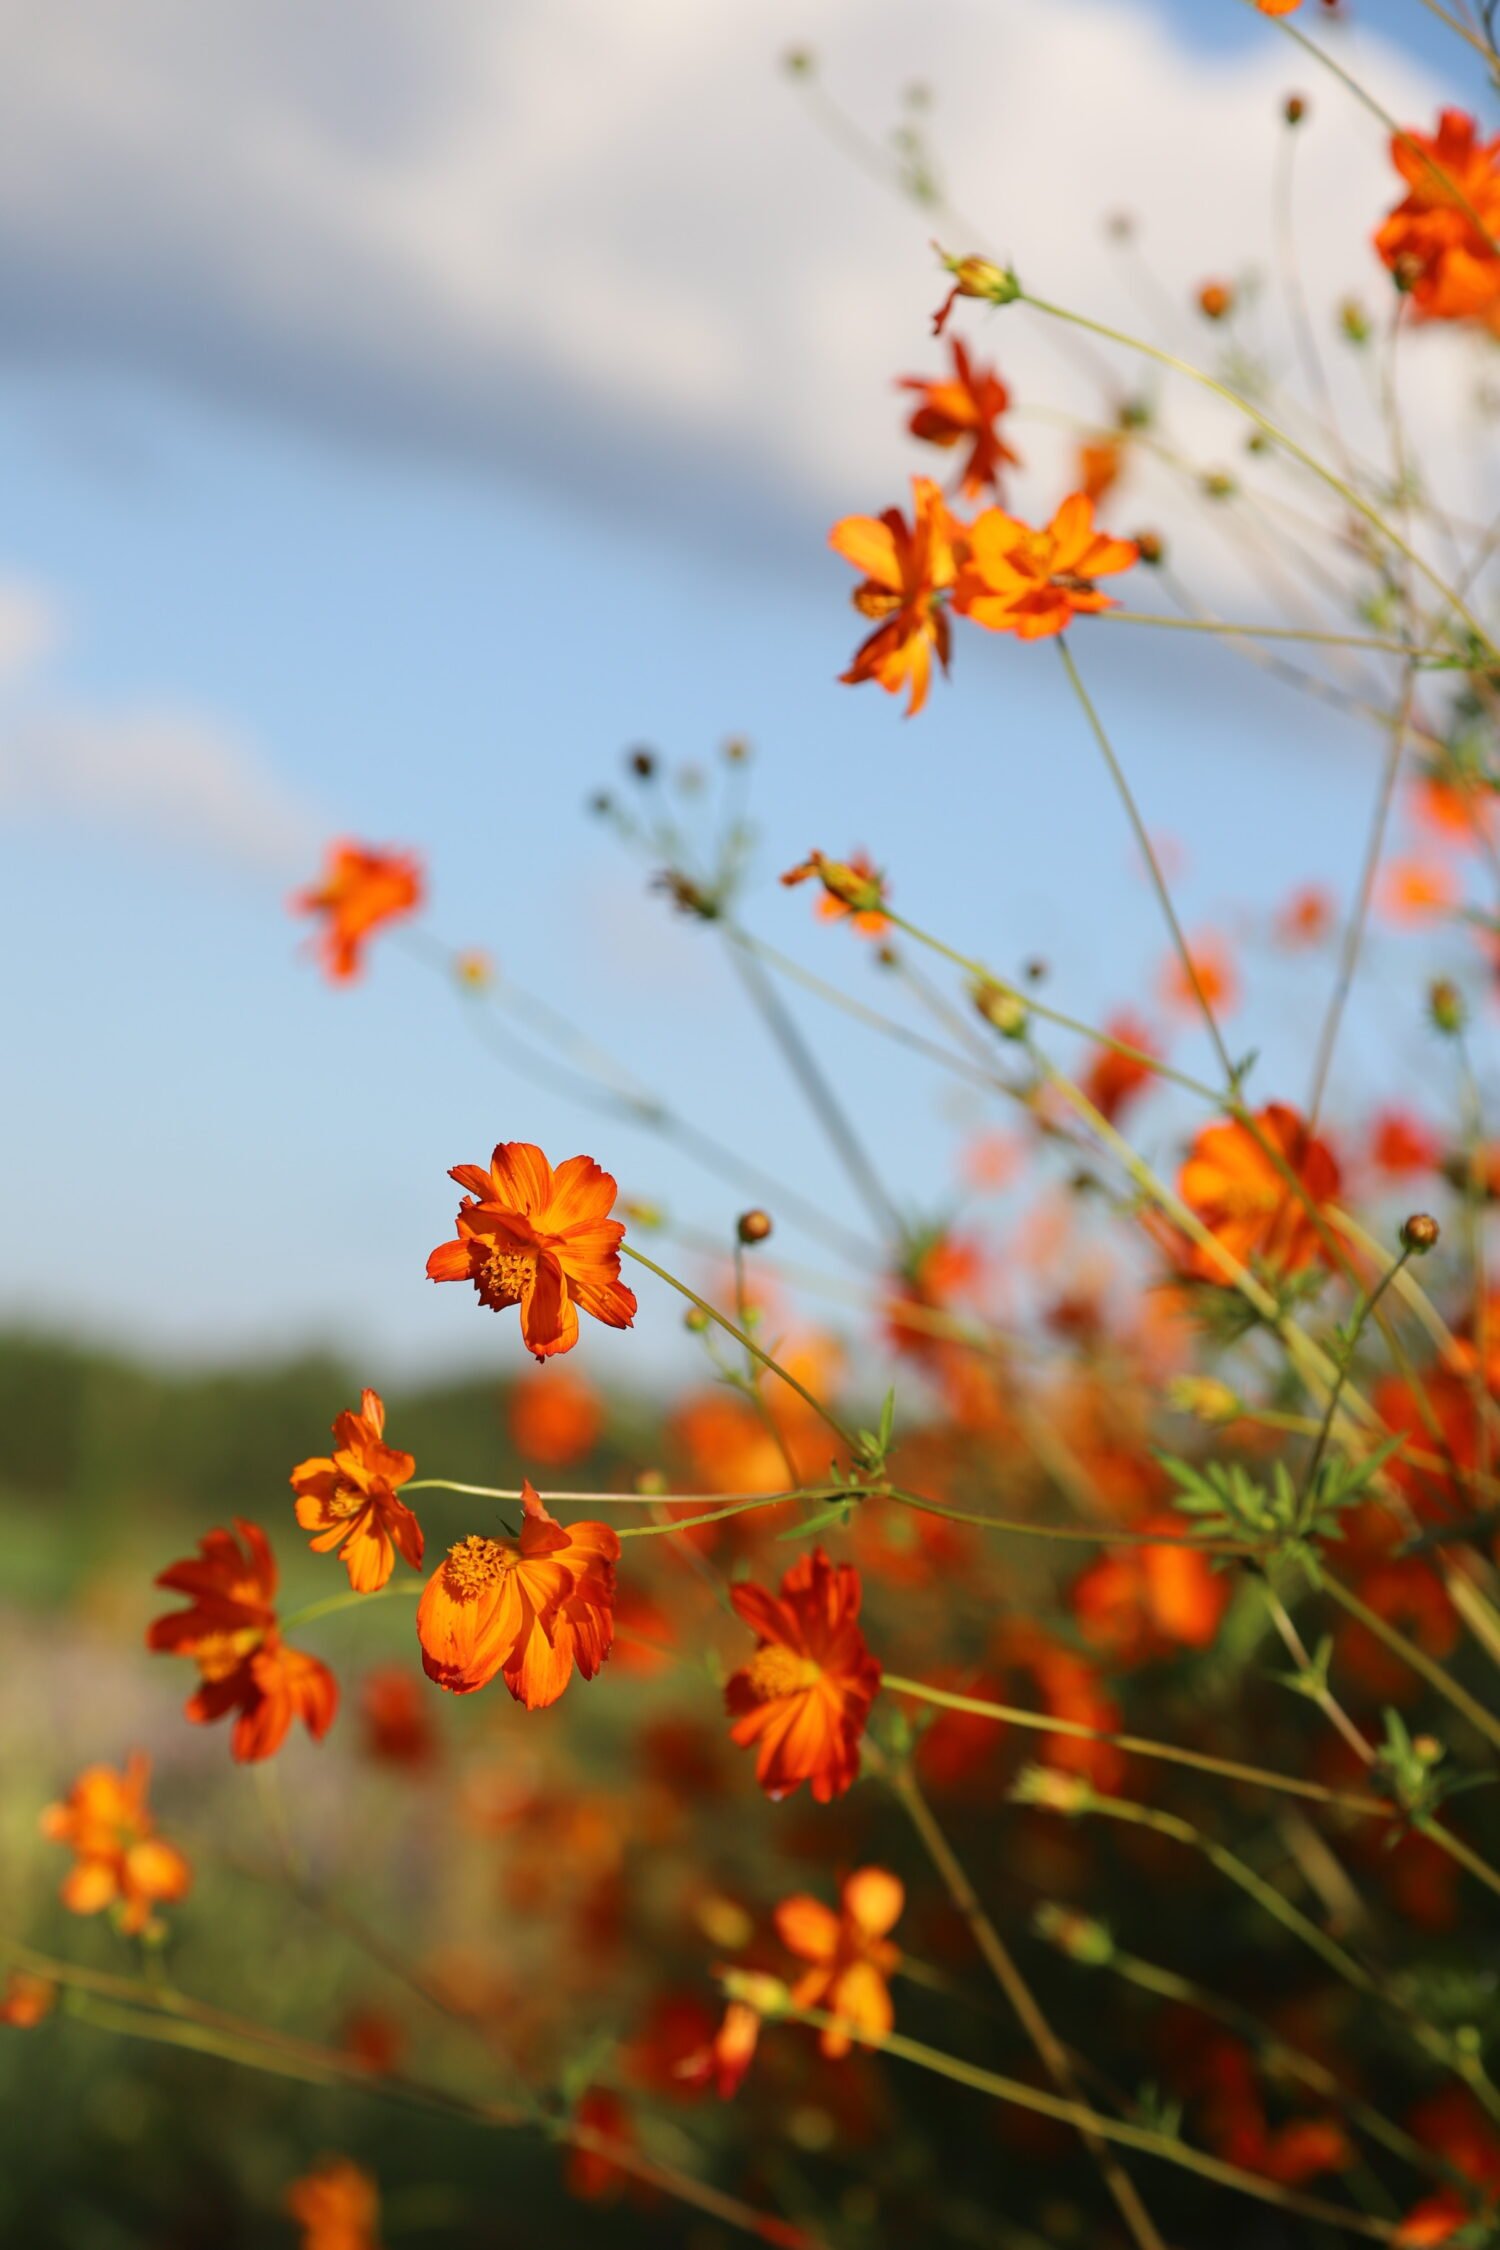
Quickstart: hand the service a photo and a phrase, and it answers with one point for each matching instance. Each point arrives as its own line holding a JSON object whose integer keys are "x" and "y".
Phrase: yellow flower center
{"x": 217, "y": 1654}
{"x": 507, "y": 1274}
{"x": 476, "y": 1563}
{"x": 778, "y": 1670}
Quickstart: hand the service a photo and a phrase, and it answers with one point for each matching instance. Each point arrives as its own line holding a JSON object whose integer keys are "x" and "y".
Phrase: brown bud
{"x": 1446, "y": 1006}
{"x": 1151, "y": 547}
{"x": 753, "y": 1226}
{"x": 1420, "y": 1233}
{"x": 1295, "y": 109}
{"x": 643, "y": 764}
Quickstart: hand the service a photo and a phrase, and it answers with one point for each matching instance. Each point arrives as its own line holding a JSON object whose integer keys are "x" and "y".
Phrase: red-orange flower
{"x": 1239, "y": 1187}
{"x": 361, "y": 889}
{"x": 805, "y": 1694}
{"x": 337, "y": 2206}
{"x": 1113, "y": 1080}
{"x": 555, "y": 1418}
{"x": 349, "y": 1500}
{"x": 851, "y": 1953}
{"x": 852, "y": 889}
{"x": 396, "y": 1717}
{"x": 906, "y": 568}
{"x": 1035, "y": 582}
{"x": 528, "y": 1608}
{"x": 1147, "y": 1600}
{"x": 1217, "y": 981}
{"x": 230, "y": 1631}
{"x": 1278, "y": 7}
{"x": 106, "y": 1823}
{"x": 962, "y": 409}
{"x": 540, "y": 1239}
{"x": 1439, "y": 241}
{"x": 723, "y": 2061}
{"x": 26, "y": 2000}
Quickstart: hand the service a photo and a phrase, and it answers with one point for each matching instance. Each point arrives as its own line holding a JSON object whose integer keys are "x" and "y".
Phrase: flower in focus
{"x": 804, "y": 1696}
{"x": 906, "y": 567}
{"x": 540, "y": 1239}
{"x": 337, "y": 2206}
{"x": 851, "y": 1954}
{"x": 528, "y": 1608}
{"x": 1034, "y": 583}
{"x": 852, "y": 890}
{"x": 1439, "y": 242}
{"x": 555, "y": 1418}
{"x": 120, "y": 1860}
{"x": 1112, "y": 1080}
{"x": 349, "y": 1500}
{"x": 1244, "y": 1184}
{"x": 962, "y": 409}
{"x": 231, "y": 1633}
{"x": 361, "y": 889}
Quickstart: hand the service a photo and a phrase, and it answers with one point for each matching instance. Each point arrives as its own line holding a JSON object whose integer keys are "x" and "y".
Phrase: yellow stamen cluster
{"x": 476, "y": 1563}
{"x": 777, "y": 1670}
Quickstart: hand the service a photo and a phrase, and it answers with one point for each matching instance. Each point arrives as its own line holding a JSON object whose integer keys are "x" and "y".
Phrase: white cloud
{"x": 170, "y": 777}
{"x": 584, "y": 238}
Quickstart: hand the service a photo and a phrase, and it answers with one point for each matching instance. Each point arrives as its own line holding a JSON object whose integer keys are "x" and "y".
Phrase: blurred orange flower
{"x": 120, "y": 1860}
{"x": 1401, "y": 1145}
{"x": 1238, "y": 1185}
{"x": 1218, "y": 980}
{"x": 906, "y": 567}
{"x": 852, "y": 889}
{"x": 555, "y": 1418}
{"x": 851, "y": 1953}
{"x": 1146, "y": 1600}
{"x": 529, "y": 1609}
{"x": 230, "y": 1631}
{"x": 26, "y": 2000}
{"x": 1113, "y": 1080}
{"x": 805, "y": 1694}
{"x": 361, "y": 889}
{"x": 941, "y": 1271}
{"x": 337, "y": 2206}
{"x": 1417, "y": 890}
{"x": 540, "y": 1239}
{"x": 349, "y": 1500}
{"x": 1306, "y": 917}
{"x": 1100, "y": 461}
{"x": 397, "y": 1722}
{"x": 1439, "y": 241}
{"x": 1034, "y": 583}
{"x": 724, "y": 2060}
{"x": 962, "y": 409}
{"x": 1278, "y": 7}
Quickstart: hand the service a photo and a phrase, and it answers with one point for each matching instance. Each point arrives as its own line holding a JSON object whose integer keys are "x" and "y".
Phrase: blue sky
{"x": 305, "y": 582}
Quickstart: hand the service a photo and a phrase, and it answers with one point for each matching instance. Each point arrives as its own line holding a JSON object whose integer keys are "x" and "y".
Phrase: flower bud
{"x": 753, "y": 1226}
{"x": 1445, "y": 1005}
{"x": 1204, "y": 1397}
{"x": 1005, "y": 1011}
{"x": 1354, "y": 321}
{"x": 1079, "y": 1936}
{"x": 1216, "y": 300}
{"x": 1151, "y": 547}
{"x": 642, "y": 764}
{"x": 474, "y": 970}
{"x": 1420, "y": 1232}
{"x": 1295, "y": 109}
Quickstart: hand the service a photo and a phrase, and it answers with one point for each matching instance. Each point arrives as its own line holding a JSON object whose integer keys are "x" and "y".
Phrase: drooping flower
{"x": 27, "y": 2000}
{"x": 962, "y": 409}
{"x": 105, "y": 1821}
{"x": 1033, "y": 583}
{"x": 1240, "y": 1183}
{"x": 349, "y": 1500}
{"x": 337, "y": 2206}
{"x": 804, "y": 1696}
{"x": 1440, "y": 240}
{"x": 230, "y": 1631}
{"x": 362, "y": 888}
{"x": 1112, "y": 1080}
{"x": 528, "y": 1609}
{"x": 540, "y": 1239}
{"x": 906, "y": 569}
{"x": 851, "y": 1954}
{"x": 724, "y": 2059}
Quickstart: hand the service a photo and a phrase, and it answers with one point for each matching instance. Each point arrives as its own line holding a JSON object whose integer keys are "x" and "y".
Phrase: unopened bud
{"x": 736, "y": 751}
{"x": 1151, "y": 547}
{"x": 1420, "y": 1233}
{"x": 1218, "y": 484}
{"x": 1051, "y": 1790}
{"x": 1204, "y": 1397}
{"x": 1216, "y": 300}
{"x": 474, "y": 970}
{"x": 1354, "y": 321}
{"x": 768, "y": 1996}
{"x": 1427, "y": 1747}
{"x": 1005, "y": 1011}
{"x": 753, "y": 1226}
{"x": 1407, "y": 271}
{"x": 1079, "y": 1936}
{"x": 695, "y": 1321}
{"x": 642, "y": 764}
{"x": 1295, "y": 109}
{"x": 1445, "y": 1005}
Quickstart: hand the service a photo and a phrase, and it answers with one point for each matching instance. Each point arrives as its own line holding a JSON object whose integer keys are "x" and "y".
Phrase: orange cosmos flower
{"x": 230, "y": 1631}
{"x": 1417, "y": 890}
{"x": 851, "y": 1953}
{"x": 1278, "y": 7}
{"x": 539, "y": 1239}
{"x": 1218, "y": 980}
{"x": 906, "y": 568}
{"x": 724, "y": 2060}
{"x": 1113, "y": 1080}
{"x": 26, "y": 2000}
{"x": 337, "y": 2206}
{"x": 1100, "y": 463}
{"x": 121, "y": 1861}
{"x": 805, "y": 1694}
{"x": 529, "y": 1609}
{"x": 1401, "y": 1145}
{"x": 1145, "y": 1601}
{"x": 1034, "y": 583}
{"x": 555, "y": 1418}
{"x": 852, "y": 890}
{"x": 1439, "y": 241}
{"x": 1244, "y": 1198}
{"x": 350, "y": 1501}
{"x": 1306, "y": 917}
{"x": 396, "y": 1719}
{"x": 361, "y": 888}
{"x": 963, "y": 410}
